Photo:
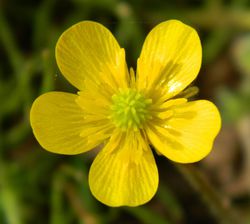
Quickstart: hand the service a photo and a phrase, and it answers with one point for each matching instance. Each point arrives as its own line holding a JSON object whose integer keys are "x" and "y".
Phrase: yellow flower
{"x": 126, "y": 112}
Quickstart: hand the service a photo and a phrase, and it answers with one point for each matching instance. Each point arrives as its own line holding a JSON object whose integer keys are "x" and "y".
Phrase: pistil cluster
{"x": 130, "y": 109}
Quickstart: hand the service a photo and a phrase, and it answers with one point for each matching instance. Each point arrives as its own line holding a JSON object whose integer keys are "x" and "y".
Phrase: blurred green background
{"x": 39, "y": 187}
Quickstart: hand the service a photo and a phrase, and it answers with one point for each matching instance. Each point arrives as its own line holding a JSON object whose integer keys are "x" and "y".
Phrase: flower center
{"x": 129, "y": 109}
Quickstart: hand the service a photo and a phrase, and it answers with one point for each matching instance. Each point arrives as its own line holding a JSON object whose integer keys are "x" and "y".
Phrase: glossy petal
{"x": 188, "y": 133}
{"x": 170, "y": 59}
{"x": 87, "y": 51}
{"x": 59, "y": 125}
{"x": 124, "y": 172}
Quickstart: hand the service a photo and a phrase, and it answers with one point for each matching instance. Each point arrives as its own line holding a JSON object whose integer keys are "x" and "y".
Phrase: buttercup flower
{"x": 127, "y": 112}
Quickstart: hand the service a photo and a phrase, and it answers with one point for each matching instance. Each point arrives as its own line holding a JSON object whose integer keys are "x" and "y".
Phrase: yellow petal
{"x": 87, "y": 51}
{"x": 170, "y": 59}
{"x": 188, "y": 135}
{"x": 58, "y": 124}
{"x": 124, "y": 172}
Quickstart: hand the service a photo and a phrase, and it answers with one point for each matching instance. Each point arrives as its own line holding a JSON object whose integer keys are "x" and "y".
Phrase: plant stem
{"x": 219, "y": 207}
